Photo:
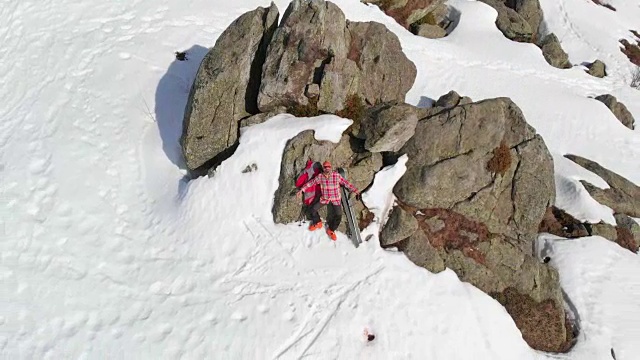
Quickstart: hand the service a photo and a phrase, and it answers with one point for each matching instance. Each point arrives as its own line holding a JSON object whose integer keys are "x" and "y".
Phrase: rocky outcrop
{"x": 518, "y": 20}
{"x": 400, "y": 225}
{"x": 407, "y": 12}
{"x": 553, "y": 52}
{"x": 491, "y": 262}
{"x": 597, "y": 69}
{"x": 510, "y": 23}
{"x": 618, "y": 109}
{"x": 478, "y": 179}
{"x": 451, "y": 100}
{"x": 623, "y": 196}
{"x": 627, "y": 232}
{"x": 314, "y": 62}
{"x": 316, "y": 45}
{"x": 478, "y": 183}
{"x": 360, "y": 167}
{"x": 531, "y": 11}
{"x": 604, "y": 230}
{"x": 436, "y": 23}
{"x": 559, "y": 223}
{"x": 486, "y": 162}
{"x": 225, "y": 87}
{"x": 631, "y": 50}
{"x": 389, "y": 127}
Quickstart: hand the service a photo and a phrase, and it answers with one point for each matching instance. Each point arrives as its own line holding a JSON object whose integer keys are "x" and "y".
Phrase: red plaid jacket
{"x": 330, "y": 187}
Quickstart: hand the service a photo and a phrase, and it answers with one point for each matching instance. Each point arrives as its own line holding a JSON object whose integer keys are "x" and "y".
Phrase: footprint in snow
{"x": 238, "y": 316}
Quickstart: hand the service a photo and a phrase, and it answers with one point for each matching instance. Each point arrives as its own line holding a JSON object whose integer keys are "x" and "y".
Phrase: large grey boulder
{"x": 484, "y": 161}
{"x": 407, "y": 12}
{"x": 389, "y": 127}
{"x": 597, "y": 69}
{"x": 361, "y": 168}
{"x": 400, "y": 225}
{"x": 451, "y": 99}
{"x": 618, "y": 109}
{"x": 374, "y": 54}
{"x": 225, "y": 87}
{"x": 553, "y": 52}
{"x": 530, "y": 10}
{"x": 478, "y": 183}
{"x": 510, "y": 23}
{"x": 623, "y": 196}
{"x": 316, "y": 45}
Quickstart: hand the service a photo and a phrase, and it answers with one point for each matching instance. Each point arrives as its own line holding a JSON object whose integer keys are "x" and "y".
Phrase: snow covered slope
{"x": 108, "y": 252}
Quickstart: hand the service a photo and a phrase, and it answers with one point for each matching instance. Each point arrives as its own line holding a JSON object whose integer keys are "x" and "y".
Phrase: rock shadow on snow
{"x": 170, "y": 100}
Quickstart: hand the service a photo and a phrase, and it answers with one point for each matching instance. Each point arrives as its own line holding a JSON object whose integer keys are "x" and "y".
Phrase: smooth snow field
{"x": 109, "y": 252}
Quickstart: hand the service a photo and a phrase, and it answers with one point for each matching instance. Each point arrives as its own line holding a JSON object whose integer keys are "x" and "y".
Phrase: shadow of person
{"x": 171, "y": 97}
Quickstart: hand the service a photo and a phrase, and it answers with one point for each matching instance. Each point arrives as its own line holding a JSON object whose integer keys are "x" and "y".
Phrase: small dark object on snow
{"x": 181, "y": 55}
{"x": 546, "y": 259}
{"x": 250, "y": 168}
{"x": 613, "y": 354}
{"x": 369, "y": 335}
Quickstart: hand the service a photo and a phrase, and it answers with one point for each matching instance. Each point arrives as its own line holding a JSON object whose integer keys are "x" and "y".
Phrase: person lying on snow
{"x": 329, "y": 182}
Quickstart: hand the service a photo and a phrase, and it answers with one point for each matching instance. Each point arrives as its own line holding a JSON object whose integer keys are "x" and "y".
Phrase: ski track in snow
{"x": 94, "y": 263}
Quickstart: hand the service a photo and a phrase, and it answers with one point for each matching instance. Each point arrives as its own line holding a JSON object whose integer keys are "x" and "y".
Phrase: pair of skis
{"x": 347, "y": 207}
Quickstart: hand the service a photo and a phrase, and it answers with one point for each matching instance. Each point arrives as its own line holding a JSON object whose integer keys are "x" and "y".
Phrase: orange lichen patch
{"x": 501, "y": 160}
{"x": 449, "y": 230}
{"x": 542, "y": 323}
{"x": 626, "y": 240}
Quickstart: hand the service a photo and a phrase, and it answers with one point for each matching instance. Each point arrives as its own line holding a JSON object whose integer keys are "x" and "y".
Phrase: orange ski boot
{"x": 331, "y": 234}
{"x": 315, "y": 226}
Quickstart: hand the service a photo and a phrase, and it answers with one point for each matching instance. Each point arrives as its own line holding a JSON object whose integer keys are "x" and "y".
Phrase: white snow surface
{"x": 109, "y": 252}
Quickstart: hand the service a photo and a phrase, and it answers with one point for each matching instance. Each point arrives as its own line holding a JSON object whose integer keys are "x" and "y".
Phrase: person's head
{"x": 326, "y": 167}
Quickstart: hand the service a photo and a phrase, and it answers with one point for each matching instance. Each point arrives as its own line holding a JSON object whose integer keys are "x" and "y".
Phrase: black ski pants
{"x": 334, "y": 214}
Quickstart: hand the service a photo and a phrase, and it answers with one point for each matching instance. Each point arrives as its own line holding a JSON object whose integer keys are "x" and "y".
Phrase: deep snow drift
{"x": 108, "y": 252}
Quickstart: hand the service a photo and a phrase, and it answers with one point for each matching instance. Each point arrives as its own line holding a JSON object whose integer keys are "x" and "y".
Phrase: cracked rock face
{"x": 314, "y": 58}
{"x": 315, "y": 47}
{"x": 553, "y": 52}
{"x": 477, "y": 185}
{"x": 512, "y": 24}
{"x": 449, "y": 168}
{"x": 224, "y": 91}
